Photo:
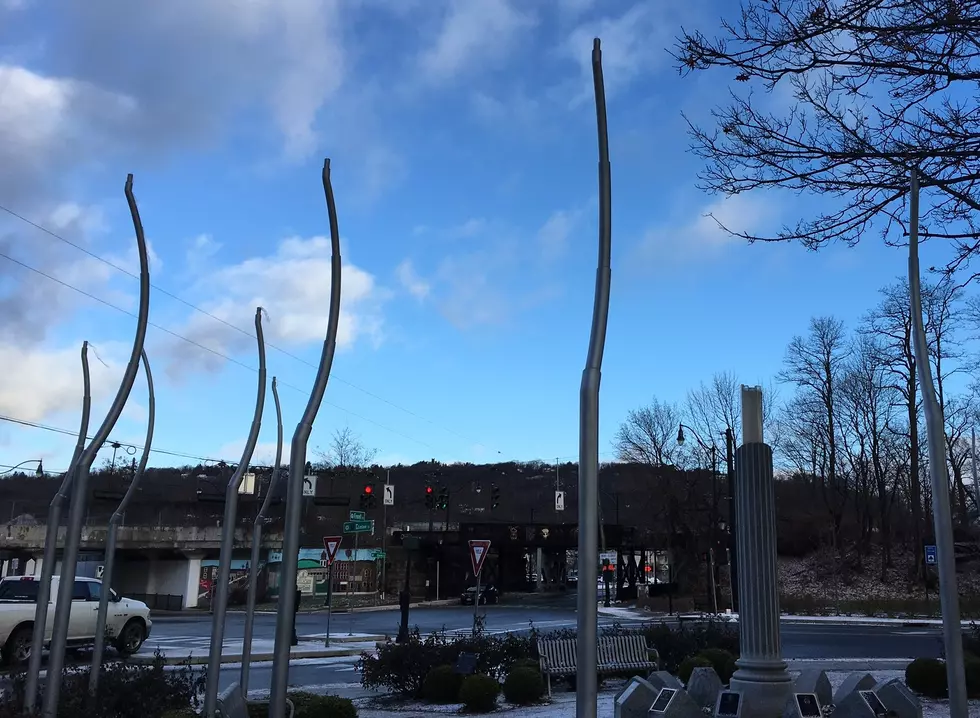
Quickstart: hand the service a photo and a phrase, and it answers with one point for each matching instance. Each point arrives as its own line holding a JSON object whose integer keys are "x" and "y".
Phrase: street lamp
{"x": 39, "y": 473}
{"x": 713, "y": 451}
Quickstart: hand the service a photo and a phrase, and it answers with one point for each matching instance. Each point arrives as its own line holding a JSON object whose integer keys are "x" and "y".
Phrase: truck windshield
{"x": 18, "y": 591}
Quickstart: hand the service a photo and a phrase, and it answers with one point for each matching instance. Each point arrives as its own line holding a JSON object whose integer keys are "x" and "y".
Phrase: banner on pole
{"x": 478, "y": 554}
{"x": 331, "y": 544}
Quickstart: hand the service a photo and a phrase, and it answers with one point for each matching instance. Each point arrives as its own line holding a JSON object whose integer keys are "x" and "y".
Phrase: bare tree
{"x": 649, "y": 434}
{"x": 716, "y": 406}
{"x": 879, "y": 86}
{"x": 815, "y": 364}
{"x": 346, "y": 451}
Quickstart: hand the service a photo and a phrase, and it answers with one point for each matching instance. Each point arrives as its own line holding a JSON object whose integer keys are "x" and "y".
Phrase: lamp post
{"x": 732, "y": 513}
{"x": 39, "y": 473}
{"x": 713, "y": 535}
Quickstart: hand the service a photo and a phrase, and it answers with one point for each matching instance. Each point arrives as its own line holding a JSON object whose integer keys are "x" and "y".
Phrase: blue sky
{"x": 463, "y": 146}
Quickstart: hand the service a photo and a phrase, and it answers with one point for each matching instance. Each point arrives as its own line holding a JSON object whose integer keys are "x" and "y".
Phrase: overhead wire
{"x": 74, "y": 433}
{"x": 197, "y": 344}
{"x": 230, "y": 325}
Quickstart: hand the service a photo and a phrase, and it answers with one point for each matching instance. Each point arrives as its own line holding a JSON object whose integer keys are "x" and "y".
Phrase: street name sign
{"x": 357, "y": 515}
{"x": 358, "y": 527}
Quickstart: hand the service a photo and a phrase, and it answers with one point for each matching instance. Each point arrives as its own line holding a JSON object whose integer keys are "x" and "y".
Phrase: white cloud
{"x": 293, "y": 286}
{"x": 474, "y": 34}
{"x": 701, "y": 238}
{"x": 411, "y": 281}
{"x": 554, "y": 234}
{"x": 632, "y": 45}
{"x": 40, "y": 382}
{"x": 51, "y": 125}
{"x": 200, "y": 251}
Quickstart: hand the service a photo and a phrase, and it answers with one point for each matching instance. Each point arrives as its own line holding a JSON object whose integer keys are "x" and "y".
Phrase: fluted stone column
{"x": 761, "y": 676}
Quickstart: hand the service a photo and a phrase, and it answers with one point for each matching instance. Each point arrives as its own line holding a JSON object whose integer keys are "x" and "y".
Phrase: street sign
{"x": 377, "y": 555}
{"x": 331, "y": 544}
{"x": 358, "y": 527}
{"x": 357, "y": 515}
{"x": 248, "y": 484}
{"x": 478, "y": 554}
{"x": 931, "y": 555}
{"x": 100, "y": 572}
{"x": 309, "y": 485}
{"x": 389, "y": 494}
{"x": 559, "y": 501}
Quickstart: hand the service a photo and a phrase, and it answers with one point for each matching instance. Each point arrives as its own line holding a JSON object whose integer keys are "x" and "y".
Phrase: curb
{"x": 360, "y": 609}
{"x": 848, "y": 664}
{"x": 255, "y": 658}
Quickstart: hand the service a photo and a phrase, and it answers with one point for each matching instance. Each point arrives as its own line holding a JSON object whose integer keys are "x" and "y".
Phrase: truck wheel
{"x": 17, "y": 650}
{"x": 131, "y": 637}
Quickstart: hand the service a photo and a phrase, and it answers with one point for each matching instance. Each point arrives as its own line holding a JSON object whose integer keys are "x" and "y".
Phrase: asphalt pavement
{"x": 824, "y": 640}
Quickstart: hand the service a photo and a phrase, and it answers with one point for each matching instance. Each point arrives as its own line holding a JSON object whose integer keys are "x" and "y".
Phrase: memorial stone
{"x": 815, "y": 681}
{"x": 635, "y": 699}
{"x": 703, "y": 686}
{"x": 899, "y": 699}
{"x": 856, "y": 681}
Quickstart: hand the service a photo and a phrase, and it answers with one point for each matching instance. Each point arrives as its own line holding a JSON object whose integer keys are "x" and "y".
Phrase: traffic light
{"x": 430, "y": 499}
{"x": 494, "y": 497}
{"x": 368, "y": 499}
{"x": 443, "y": 498}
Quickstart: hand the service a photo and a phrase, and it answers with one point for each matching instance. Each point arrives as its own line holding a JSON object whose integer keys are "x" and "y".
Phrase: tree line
{"x": 844, "y": 417}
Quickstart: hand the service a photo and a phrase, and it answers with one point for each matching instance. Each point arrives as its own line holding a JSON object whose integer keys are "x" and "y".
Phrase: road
{"x": 824, "y": 640}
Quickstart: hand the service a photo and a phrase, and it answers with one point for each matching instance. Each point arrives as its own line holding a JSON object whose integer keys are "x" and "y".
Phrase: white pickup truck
{"x": 128, "y": 622}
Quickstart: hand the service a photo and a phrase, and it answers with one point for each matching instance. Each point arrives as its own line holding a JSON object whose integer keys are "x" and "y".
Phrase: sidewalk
{"x": 268, "y": 610}
{"x": 638, "y": 614}
{"x": 195, "y": 650}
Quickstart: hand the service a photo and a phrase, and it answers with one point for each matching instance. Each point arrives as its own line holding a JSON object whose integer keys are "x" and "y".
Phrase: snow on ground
{"x": 826, "y": 577}
{"x": 563, "y": 704}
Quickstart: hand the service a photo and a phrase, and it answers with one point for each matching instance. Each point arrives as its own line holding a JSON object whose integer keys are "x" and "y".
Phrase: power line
{"x": 207, "y": 349}
{"x": 228, "y": 324}
{"x": 69, "y": 432}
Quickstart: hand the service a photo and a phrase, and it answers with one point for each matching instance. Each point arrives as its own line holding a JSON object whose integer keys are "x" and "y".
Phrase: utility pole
{"x": 936, "y": 434}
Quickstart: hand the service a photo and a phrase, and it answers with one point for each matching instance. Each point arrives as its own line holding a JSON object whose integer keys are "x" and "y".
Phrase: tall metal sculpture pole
{"x": 253, "y": 574}
{"x": 586, "y": 687}
{"x": 297, "y": 463}
{"x": 936, "y": 433}
{"x": 110, "y": 542}
{"x": 219, "y": 601}
{"x": 51, "y": 543}
{"x": 76, "y": 515}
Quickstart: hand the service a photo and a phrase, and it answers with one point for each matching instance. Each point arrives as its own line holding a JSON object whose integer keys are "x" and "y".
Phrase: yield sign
{"x": 478, "y": 554}
{"x": 331, "y": 544}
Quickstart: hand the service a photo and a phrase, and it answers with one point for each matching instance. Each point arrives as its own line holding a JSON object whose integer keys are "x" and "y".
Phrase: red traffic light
{"x": 368, "y": 489}
{"x": 428, "y": 489}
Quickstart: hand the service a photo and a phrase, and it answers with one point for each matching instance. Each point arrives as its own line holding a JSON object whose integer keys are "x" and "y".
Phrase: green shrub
{"x": 479, "y": 693}
{"x": 442, "y": 685}
{"x": 523, "y": 686}
{"x": 722, "y": 661}
{"x": 533, "y": 663}
{"x": 689, "y": 664}
{"x": 402, "y": 667}
{"x": 676, "y": 644}
{"x": 971, "y": 667}
{"x": 927, "y": 676}
{"x": 310, "y": 705}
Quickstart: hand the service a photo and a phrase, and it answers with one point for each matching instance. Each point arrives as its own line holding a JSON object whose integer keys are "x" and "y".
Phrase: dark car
{"x": 488, "y": 594}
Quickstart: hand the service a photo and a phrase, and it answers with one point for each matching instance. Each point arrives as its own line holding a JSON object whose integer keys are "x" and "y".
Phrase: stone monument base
{"x": 765, "y": 686}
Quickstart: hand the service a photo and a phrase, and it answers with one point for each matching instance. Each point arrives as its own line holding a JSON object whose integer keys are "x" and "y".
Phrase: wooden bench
{"x": 615, "y": 654}
{"x": 233, "y": 704}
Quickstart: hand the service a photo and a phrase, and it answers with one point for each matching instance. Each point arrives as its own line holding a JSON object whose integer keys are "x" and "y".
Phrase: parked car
{"x": 127, "y": 621}
{"x": 488, "y": 594}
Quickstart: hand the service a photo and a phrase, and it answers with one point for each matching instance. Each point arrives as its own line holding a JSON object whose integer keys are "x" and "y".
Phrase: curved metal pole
{"x": 936, "y": 434}
{"x": 51, "y": 543}
{"x": 588, "y": 558}
{"x": 297, "y": 463}
{"x": 253, "y": 574}
{"x": 110, "y": 545}
{"x": 76, "y": 515}
{"x": 220, "y": 596}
